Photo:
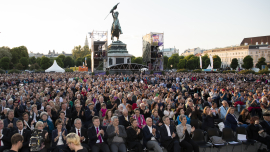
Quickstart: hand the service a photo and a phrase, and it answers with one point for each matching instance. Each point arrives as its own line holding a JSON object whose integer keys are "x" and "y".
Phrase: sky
{"x": 43, "y": 25}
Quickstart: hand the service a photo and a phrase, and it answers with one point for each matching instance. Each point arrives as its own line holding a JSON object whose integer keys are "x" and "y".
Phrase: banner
{"x": 201, "y": 62}
{"x": 211, "y": 62}
{"x": 157, "y": 39}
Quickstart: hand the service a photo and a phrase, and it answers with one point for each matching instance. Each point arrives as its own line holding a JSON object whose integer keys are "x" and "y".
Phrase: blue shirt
{"x": 179, "y": 122}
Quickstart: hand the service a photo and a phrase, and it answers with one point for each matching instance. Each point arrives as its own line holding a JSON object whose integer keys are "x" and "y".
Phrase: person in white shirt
{"x": 59, "y": 136}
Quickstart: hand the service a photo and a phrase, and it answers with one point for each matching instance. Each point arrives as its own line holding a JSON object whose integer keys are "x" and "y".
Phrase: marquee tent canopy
{"x": 55, "y": 68}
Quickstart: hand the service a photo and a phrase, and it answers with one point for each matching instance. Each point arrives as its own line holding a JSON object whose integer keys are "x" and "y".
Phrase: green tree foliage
{"x": 38, "y": 60}
{"x": 192, "y": 63}
{"x": 5, "y": 52}
{"x": 88, "y": 60}
{"x": 260, "y": 62}
{"x": 34, "y": 66}
{"x": 207, "y": 62}
{"x": 19, "y": 66}
{"x": 69, "y": 62}
{"x": 4, "y": 62}
{"x": 32, "y": 60}
{"x": 78, "y": 51}
{"x": 165, "y": 62}
{"x": 79, "y": 62}
{"x": 59, "y": 62}
{"x": 216, "y": 62}
{"x": 45, "y": 63}
{"x": 137, "y": 60}
{"x": 173, "y": 60}
{"x": 204, "y": 63}
{"x": 62, "y": 57}
{"x": 234, "y": 63}
{"x": 182, "y": 64}
{"x": 18, "y": 53}
{"x": 24, "y": 61}
{"x": 247, "y": 62}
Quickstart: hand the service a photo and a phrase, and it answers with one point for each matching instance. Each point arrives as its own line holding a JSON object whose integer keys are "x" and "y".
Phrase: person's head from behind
{"x": 244, "y": 112}
{"x": 266, "y": 116}
{"x": 73, "y": 140}
{"x": 39, "y": 125}
{"x": 17, "y": 141}
{"x": 78, "y": 123}
{"x": 96, "y": 121}
{"x": 149, "y": 121}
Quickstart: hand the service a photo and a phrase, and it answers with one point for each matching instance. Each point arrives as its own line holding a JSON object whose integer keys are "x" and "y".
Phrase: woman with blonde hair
{"x": 230, "y": 119}
{"x": 208, "y": 119}
{"x": 74, "y": 143}
{"x": 46, "y": 144}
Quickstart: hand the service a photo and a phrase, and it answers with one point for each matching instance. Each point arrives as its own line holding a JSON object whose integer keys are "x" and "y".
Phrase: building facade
{"x": 170, "y": 51}
{"x": 49, "y": 55}
{"x": 193, "y": 51}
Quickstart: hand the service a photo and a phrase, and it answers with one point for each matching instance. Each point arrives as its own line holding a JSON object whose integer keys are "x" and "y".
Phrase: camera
{"x": 36, "y": 140}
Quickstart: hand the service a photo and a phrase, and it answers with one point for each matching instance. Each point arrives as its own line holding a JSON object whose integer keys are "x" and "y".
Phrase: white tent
{"x": 209, "y": 67}
{"x": 55, "y": 68}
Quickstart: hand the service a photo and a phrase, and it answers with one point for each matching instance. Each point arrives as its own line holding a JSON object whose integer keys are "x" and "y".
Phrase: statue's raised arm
{"x": 116, "y": 28}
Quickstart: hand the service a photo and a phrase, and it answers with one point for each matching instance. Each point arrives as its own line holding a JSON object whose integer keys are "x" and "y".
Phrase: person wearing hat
{"x": 266, "y": 122}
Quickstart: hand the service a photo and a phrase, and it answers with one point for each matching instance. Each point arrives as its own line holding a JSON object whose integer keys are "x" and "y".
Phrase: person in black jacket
{"x": 78, "y": 113}
{"x": 171, "y": 143}
{"x": 52, "y": 115}
{"x": 81, "y": 132}
{"x": 5, "y": 136}
{"x": 134, "y": 136}
{"x": 65, "y": 110}
{"x": 97, "y": 136}
{"x": 254, "y": 130}
{"x": 266, "y": 122}
{"x": 18, "y": 109}
{"x": 26, "y": 136}
{"x": 124, "y": 120}
{"x": 208, "y": 119}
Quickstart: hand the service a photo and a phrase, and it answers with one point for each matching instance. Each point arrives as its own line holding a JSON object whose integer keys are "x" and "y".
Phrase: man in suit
{"x": 4, "y": 137}
{"x": 266, "y": 123}
{"x": 116, "y": 136}
{"x": 65, "y": 110}
{"x": 26, "y": 136}
{"x": 208, "y": 102}
{"x": 10, "y": 121}
{"x": 90, "y": 112}
{"x": 81, "y": 132}
{"x": 151, "y": 136}
{"x": 124, "y": 120}
{"x": 52, "y": 115}
{"x": 97, "y": 136}
{"x": 119, "y": 99}
{"x": 168, "y": 136}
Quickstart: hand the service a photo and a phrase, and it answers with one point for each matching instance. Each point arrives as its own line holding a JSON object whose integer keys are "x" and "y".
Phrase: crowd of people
{"x": 82, "y": 112}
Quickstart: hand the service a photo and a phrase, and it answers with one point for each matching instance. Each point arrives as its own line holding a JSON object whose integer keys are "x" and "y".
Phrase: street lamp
{"x": 171, "y": 65}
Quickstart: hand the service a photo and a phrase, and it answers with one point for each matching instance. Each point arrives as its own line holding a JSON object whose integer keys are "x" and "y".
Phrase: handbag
{"x": 217, "y": 140}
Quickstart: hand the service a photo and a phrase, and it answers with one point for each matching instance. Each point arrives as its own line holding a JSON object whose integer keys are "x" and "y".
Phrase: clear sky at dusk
{"x": 43, "y": 25}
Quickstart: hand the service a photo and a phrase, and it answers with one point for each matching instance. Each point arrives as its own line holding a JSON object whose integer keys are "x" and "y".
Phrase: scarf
{"x": 103, "y": 112}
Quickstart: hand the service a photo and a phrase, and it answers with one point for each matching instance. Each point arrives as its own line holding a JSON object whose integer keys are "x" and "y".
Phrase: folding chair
{"x": 228, "y": 136}
{"x": 198, "y": 137}
{"x": 214, "y": 132}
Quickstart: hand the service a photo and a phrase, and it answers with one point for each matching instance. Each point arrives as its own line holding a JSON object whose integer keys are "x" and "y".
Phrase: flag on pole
{"x": 200, "y": 61}
{"x": 211, "y": 62}
{"x": 85, "y": 61}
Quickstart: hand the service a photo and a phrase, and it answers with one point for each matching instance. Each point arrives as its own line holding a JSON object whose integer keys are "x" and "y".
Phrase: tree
{"x": 4, "y": 62}
{"x": 59, "y": 62}
{"x": 32, "y": 60}
{"x": 247, "y": 62}
{"x": 5, "y": 52}
{"x": 78, "y": 51}
{"x": 191, "y": 64}
{"x": 24, "y": 61}
{"x": 260, "y": 62}
{"x": 182, "y": 64}
{"x": 234, "y": 63}
{"x": 165, "y": 62}
{"x": 173, "y": 60}
{"x": 18, "y": 53}
{"x": 79, "y": 62}
{"x": 19, "y": 66}
{"x": 88, "y": 60}
{"x": 137, "y": 60}
{"x": 207, "y": 62}
{"x": 216, "y": 62}
{"x": 204, "y": 63}
{"x": 34, "y": 66}
{"x": 45, "y": 62}
{"x": 69, "y": 62}
{"x": 38, "y": 60}
{"x": 62, "y": 57}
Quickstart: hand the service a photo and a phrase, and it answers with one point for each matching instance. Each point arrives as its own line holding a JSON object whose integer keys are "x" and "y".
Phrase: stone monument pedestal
{"x": 118, "y": 54}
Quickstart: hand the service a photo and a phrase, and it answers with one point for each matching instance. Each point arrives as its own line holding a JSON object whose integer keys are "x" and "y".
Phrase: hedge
{"x": 263, "y": 72}
{"x": 107, "y": 72}
{"x": 197, "y": 71}
{"x": 14, "y": 71}
{"x": 182, "y": 70}
{"x": 246, "y": 72}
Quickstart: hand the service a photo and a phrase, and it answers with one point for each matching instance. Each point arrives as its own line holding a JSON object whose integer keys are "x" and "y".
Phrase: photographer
{"x": 45, "y": 144}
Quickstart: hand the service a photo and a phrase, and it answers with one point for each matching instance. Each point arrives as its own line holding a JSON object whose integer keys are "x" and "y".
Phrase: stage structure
{"x": 99, "y": 45}
{"x": 153, "y": 43}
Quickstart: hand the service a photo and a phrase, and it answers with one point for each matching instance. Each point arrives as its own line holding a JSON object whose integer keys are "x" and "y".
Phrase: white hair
{"x": 113, "y": 118}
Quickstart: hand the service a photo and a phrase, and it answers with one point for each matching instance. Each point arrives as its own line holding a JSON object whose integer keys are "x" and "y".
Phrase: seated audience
{"x": 140, "y": 118}
{"x": 26, "y": 135}
{"x": 17, "y": 142}
{"x": 5, "y": 137}
{"x": 182, "y": 113}
{"x": 124, "y": 120}
{"x": 10, "y": 121}
{"x": 73, "y": 142}
{"x": 81, "y": 132}
{"x": 107, "y": 118}
{"x": 244, "y": 118}
{"x": 208, "y": 119}
{"x": 230, "y": 120}
{"x": 47, "y": 142}
{"x": 223, "y": 109}
{"x": 266, "y": 122}
{"x": 59, "y": 137}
